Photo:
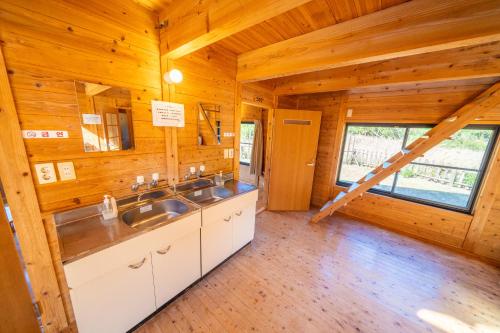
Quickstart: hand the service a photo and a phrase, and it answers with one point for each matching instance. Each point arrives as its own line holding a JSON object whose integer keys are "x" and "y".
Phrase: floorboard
{"x": 340, "y": 275}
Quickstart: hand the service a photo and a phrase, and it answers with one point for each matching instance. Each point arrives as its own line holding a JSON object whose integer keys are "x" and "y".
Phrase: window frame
{"x": 390, "y": 193}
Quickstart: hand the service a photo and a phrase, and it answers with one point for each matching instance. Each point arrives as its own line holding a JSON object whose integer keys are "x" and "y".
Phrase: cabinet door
{"x": 216, "y": 242}
{"x": 117, "y": 300}
{"x": 243, "y": 226}
{"x": 176, "y": 266}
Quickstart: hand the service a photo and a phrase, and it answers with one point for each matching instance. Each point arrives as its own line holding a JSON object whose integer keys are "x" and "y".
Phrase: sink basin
{"x": 145, "y": 196}
{"x": 208, "y": 195}
{"x": 155, "y": 212}
{"x": 194, "y": 185}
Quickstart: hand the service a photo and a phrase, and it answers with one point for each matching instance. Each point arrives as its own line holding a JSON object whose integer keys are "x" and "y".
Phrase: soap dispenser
{"x": 109, "y": 208}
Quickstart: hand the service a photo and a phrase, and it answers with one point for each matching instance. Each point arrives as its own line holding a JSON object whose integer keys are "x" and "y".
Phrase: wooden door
{"x": 16, "y": 309}
{"x": 293, "y": 158}
{"x": 176, "y": 266}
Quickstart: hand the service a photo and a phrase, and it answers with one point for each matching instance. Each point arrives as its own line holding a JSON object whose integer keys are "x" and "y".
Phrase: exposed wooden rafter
{"x": 479, "y": 61}
{"x": 412, "y": 28}
{"x": 192, "y": 25}
{"x": 488, "y": 100}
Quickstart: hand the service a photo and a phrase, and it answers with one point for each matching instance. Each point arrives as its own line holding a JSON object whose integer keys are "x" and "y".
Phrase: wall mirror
{"x": 209, "y": 121}
{"x": 106, "y": 117}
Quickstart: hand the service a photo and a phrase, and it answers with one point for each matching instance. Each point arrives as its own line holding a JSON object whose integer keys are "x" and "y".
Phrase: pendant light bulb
{"x": 173, "y": 77}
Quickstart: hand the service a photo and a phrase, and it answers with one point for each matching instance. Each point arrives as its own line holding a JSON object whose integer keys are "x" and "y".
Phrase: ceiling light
{"x": 173, "y": 77}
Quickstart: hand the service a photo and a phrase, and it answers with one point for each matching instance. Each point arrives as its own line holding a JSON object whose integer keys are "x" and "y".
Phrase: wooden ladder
{"x": 487, "y": 101}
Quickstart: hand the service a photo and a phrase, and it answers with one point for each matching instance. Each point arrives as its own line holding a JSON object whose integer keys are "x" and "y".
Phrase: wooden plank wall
{"x": 209, "y": 77}
{"x": 48, "y": 44}
{"x": 404, "y": 104}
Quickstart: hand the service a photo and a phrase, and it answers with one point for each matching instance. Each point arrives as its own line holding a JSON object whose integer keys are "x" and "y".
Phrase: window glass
{"x": 246, "y": 141}
{"x": 447, "y": 175}
{"x": 365, "y": 148}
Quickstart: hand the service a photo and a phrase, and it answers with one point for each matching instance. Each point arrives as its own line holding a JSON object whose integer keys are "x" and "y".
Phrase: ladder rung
{"x": 339, "y": 196}
{"x": 353, "y": 187}
{"x": 386, "y": 165}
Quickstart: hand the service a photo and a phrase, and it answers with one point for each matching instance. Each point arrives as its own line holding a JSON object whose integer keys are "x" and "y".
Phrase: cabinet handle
{"x": 138, "y": 265}
{"x": 164, "y": 251}
{"x": 227, "y": 219}
{"x": 239, "y": 213}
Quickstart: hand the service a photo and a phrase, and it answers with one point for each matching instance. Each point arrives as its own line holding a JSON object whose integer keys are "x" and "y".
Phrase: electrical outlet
{"x": 66, "y": 170}
{"x": 226, "y": 153}
{"x": 349, "y": 113}
{"x": 231, "y": 153}
{"x": 46, "y": 173}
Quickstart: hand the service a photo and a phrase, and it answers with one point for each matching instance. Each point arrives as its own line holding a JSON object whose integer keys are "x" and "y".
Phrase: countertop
{"x": 92, "y": 234}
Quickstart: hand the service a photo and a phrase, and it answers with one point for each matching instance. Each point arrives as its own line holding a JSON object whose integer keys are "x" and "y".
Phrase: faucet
{"x": 190, "y": 173}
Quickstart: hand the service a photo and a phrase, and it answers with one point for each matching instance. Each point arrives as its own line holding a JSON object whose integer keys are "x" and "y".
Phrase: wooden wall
{"x": 209, "y": 77}
{"x": 404, "y": 104}
{"x": 47, "y": 45}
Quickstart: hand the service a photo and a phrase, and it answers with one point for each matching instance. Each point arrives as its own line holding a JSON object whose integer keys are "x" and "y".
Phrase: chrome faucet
{"x": 153, "y": 184}
{"x": 135, "y": 186}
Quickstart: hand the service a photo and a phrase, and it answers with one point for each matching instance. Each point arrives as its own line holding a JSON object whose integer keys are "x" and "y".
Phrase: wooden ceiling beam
{"x": 415, "y": 27}
{"x": 479, "y": 61}
{"x": 192, "y": 25}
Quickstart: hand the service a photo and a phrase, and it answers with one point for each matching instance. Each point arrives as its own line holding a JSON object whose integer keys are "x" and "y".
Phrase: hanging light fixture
{"x": 173, "y": 76}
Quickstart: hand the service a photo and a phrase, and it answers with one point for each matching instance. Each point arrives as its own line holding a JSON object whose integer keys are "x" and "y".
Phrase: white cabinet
{"x": 176, "y": 265}
{"x": 226, "y": 228}
{"x": 243, "y": 226}
{"x": 217, "y": 242}
{"x": 116, "y": 288}
{"x": 117, "y": 300}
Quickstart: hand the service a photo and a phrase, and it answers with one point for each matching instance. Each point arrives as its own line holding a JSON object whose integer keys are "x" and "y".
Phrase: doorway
{"x": 253, "y": 136}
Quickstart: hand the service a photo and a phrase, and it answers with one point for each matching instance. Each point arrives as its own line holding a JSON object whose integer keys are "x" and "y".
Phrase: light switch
{"x": 226, "y": 153}
{"x": 66, "y": 170}
{"x": 231, "y": 153}
{"x": 46, "y": 173}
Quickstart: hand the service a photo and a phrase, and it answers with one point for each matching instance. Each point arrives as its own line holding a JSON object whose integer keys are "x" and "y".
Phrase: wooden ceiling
{"x": 154, "y": 5}
{"x": 311, "y": 16}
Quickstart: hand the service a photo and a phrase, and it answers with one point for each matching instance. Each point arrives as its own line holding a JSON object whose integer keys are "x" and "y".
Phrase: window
{"x": 447, "y": 176}
{"x": 246, "y": 142}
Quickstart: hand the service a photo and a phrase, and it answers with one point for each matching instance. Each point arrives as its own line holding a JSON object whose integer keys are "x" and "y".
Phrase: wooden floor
{"x": 337, "y": 276}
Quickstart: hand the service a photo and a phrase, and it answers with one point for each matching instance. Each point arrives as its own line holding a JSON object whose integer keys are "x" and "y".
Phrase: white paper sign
{"x": 91, "y": 119}
{"x": 41, "y": 134}
{"x": 167, "y": 114}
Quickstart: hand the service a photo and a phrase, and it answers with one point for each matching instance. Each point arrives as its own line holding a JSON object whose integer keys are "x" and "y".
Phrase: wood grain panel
{"x": 111, "y": 43}
{"x": 20, "y": 192}
{"x": 456, "y": 64}
{"x": 209, "y": 77}
{"x": 192, "y": 24}
{"x": 310, "y": 16}
{"x": 411, "y": 28}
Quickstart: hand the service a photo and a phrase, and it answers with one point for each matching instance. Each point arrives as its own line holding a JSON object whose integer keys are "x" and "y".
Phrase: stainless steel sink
{"x": 194, "y": 185}
{"x": 158, "y": 211}
{"x": 208, "y": 195}
{"x": 141, "y": 197}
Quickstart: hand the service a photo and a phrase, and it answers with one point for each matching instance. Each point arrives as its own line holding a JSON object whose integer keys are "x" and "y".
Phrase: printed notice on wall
{"x": 91, "y": 119}
{"x": 41, "y": 134}
{"x": 167, "y": 114}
